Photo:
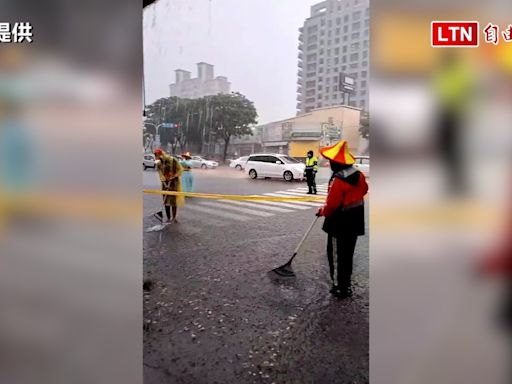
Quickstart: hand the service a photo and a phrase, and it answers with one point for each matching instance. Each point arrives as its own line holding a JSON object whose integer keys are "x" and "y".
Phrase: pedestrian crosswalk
{"x": 242, "y": 211}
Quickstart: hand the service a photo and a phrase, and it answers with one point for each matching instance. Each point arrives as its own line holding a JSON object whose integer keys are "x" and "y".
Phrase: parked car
{"x": 274, "y": 165}
{"x": 362, "y": 164}
{"x": 149, "y": 161}
{"x": 239, "y": 163}
{"x": 199, "y": 162}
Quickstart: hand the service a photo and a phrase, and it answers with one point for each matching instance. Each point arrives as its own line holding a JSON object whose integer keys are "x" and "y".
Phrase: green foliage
{"x": 364, "y": 128}
{"x": 221, "y": 116}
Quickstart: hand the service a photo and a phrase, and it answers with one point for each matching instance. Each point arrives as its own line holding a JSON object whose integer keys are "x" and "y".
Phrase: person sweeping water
{"x": 344, "y": 215}
{"x": 170, "y": 171}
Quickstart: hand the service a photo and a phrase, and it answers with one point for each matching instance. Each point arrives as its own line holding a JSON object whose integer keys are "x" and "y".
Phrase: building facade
{"x": 205, "y": 84}
{"x": 334, "y": 41}
{"x": 320, "y": 127}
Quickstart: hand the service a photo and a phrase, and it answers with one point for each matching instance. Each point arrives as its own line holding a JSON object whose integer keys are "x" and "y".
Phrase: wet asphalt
{"x": 214, "y": 314}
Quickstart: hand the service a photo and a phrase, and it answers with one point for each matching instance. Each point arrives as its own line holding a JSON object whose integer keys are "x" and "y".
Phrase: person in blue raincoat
{"x": 187, "y": 179}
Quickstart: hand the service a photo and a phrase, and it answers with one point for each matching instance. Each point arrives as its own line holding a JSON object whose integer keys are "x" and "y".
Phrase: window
{"x": 327, "y": 79}
{"x": 364, "y": 74}
{"x": 322, "y": 32}
{"x": 345, "y": 29}
{"x": 336, "y": 60}
{"x": 329, "y": 42}
{"x": 312, "y": 47}
{"x": 344, "y": 49}
{"x": 338, "y": 21}
{"x": 321, "y": 51}
{"x": 311, "y": 92}
{"x": 338, "y": 31}
{"x": 326, "y": 97}
{"x": 366, "y": 43}
{"x": 367, "y": 23}
{"x": 320, "y": 78}
{"x": 321, "y": 61}
{"x": 321, "y": 70}
{"x": 363, "y": 84}
{"x": 354, "y": 56}
{"x": 311, "y": 57}
{"x": 366, "y": 32}
{"x": 312, "y": 29}
{"x": 319, "y": 105}
{"x": 312, "y": 39}
{"x": 363, "y": 92}
{"x": 319, "y": 88}
{"x": 354, "y": 66}
{"x": 322, "y": 22}
{"x": 356, "y": 15}
{"x": 311, "y": 67}
{"x": 354, "y": 47}
{"x": 355, "y": 35}
{"x": 327, "y": 89}
{"x": 335, "y": 79}
{"x": 344, "y": 59}
{"x": 329, "y": 23}
{"x": 335, "y": 96}
{"x": 337, "y": 40}
{"x": 353, "y": 75}
{"x": 328, "y": 71}
{"x": 344, "y": 68}
{"x": 356, "y": 26}
{"x": 311, "y": 74}
{"x": 345, "y": 19}
{"x": 336, "y": 51}
{"x": 335, "y": 70}
{"x": 364, "y": 64}
{"x": 335, "y": 88}
{"x": 310, "y": 84}
{"x": 365, "y": 54}
{"x": 290, "y": 160}
{"x": 328, "y": 52}
{"x": 321, "y": 42}
{"x": 329, "y": 33}
{"x": 345, "y": 38}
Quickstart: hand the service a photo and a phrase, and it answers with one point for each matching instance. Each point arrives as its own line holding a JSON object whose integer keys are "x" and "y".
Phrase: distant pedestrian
{"x": 344, "y": 215}
{"x": 187, "y": 179}
{"x": 310, "y": 172}
{"x": 170, "y": 170}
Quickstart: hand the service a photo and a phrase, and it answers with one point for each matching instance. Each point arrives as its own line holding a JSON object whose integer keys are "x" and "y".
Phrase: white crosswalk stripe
{"x": 224, "y": 211}
{"x": 259, "y": 206}
{"x": 311, "y": 204}
{"x": 216, "y": 212}
{"x": 238, "y": 209}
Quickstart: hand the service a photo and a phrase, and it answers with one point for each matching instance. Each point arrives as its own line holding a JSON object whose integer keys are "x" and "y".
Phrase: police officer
{"x": 310, "y": 172}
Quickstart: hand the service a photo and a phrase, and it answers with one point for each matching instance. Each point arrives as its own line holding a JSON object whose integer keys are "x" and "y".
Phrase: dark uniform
{"x": 310, "y": 172}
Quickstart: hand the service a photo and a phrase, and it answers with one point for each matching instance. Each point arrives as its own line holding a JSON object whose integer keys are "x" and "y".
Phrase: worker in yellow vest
{"x": 310, "y": 172}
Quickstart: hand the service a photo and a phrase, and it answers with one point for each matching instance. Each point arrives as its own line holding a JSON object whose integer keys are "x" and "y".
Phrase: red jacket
{"x": 341, "y": 193}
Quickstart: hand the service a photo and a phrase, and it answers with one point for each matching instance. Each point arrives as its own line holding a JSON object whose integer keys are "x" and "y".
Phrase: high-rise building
{"x": 205, "y": 84}
{"x": 334, "y": 41}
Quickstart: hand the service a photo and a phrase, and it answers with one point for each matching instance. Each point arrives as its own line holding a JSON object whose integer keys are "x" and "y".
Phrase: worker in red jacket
{"x": 344, "y": 215}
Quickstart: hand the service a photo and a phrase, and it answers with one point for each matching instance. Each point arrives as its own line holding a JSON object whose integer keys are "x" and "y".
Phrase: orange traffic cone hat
{"x": 338, "y": 153}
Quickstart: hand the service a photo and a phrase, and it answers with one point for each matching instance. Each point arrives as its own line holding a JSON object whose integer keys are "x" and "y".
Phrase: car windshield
{"x": 290, "y": 160}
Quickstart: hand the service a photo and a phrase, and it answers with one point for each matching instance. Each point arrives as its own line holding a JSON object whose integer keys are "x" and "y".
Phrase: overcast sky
{"x": 254, "y": 43}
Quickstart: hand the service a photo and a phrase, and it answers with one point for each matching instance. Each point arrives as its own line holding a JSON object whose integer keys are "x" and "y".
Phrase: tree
{"x": 232, "y": 116}
{"x": 364, "y": 128}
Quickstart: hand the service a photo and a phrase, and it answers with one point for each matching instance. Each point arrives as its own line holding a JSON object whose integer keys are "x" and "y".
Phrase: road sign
{"x": 347, "y": 84}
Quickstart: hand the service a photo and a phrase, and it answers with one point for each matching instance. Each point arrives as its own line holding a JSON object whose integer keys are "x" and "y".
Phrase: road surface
{"x": 213, "y": 313}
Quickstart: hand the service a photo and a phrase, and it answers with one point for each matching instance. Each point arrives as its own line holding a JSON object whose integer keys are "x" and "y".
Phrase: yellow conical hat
{"x": 338, "y": 153}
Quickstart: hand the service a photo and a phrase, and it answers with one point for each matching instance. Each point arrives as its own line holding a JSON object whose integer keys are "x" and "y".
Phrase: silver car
{"x": 362, "y": 164}
{"x": 149, "y": 161}
{"x": 239, "y": 163}
{"x": 199, "y": 162}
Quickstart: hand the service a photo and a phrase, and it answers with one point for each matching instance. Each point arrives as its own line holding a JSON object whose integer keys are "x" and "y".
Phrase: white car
{"x": 149, "y": 161}
{"x": 274, "y": 165}
{"x": 239, "y": 163}
{"x": 199, "y": 162}
{"x": 362, "y": 164}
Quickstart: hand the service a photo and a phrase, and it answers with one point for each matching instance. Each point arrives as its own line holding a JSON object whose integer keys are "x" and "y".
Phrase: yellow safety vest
{"x": 312, "y": 163}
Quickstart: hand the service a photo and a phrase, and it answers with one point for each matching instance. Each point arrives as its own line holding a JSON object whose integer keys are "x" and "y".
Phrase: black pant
{"x": 310, "y": 177}
{"x": 340, "y": 253}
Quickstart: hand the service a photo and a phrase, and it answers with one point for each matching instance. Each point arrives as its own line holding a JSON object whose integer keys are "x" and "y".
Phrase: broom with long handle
{"x": 286, "y": 269}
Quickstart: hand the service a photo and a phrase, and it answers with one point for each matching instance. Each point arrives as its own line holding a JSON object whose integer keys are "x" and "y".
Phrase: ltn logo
{"x": 454, "y": 33}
